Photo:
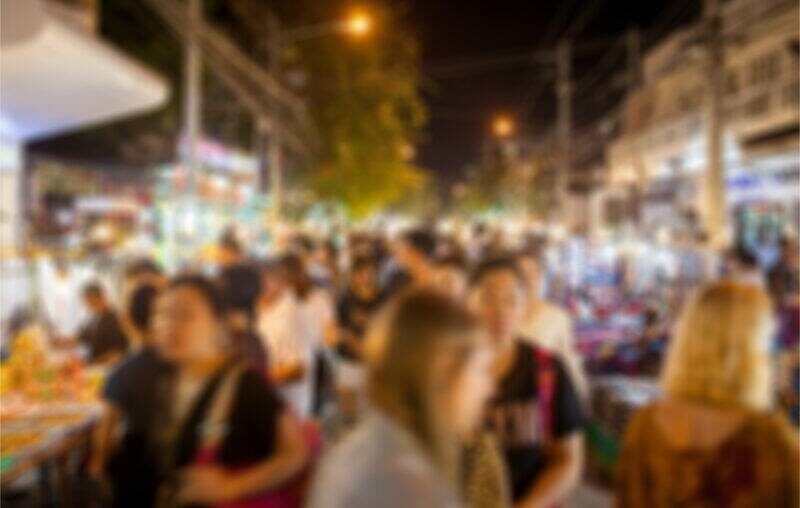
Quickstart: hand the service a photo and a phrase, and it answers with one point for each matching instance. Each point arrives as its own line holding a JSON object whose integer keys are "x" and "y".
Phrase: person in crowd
{"x": 784, "y": 287}
{"x": 125, "y": 457}
{"x": 140, "y": 273}
{"x": 230, "y": 252}
{"x": 413, "y": 253}
{"x": 428, "y": 379}
{"x": 241, "y": 287}
{"x": 262, "y": 446}
{"x": 317, "y": 317}
{"x": 714, "y": 439}
{"x": 450, "y": 275}
{"x": 324, "y": 266}
{"x": 741, "y": 266}
{"x": 281, "y": 329}
{"x": 534, "y": 413}
{"x": 548, "y": 325}
{"x": 355, "y": 307}
{"x": 102, "y": 334}
{"x": 784, "y": 277}
{"x": 61, "y": 303}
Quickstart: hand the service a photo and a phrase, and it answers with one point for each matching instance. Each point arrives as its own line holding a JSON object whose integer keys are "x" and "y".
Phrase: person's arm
{"x": 565, "y": 463}
{"x": 212, "y": 484}
{"x": 103, "y": 439}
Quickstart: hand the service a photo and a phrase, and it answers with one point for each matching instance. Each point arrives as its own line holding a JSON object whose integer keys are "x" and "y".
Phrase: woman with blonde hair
{"x": 714, "y": 439}
{"x": 428, "y": 379}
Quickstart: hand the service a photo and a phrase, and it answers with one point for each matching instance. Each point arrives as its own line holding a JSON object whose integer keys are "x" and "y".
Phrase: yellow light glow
{"x": 359, "y": 23}
{"x": 503, "y": 127}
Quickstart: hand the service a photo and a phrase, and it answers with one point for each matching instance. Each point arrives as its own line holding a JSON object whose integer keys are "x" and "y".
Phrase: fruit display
{"x": 45, "y": 396}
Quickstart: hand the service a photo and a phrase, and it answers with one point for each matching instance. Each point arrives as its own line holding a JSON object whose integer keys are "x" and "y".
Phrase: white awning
{"x": 54, "y": 77}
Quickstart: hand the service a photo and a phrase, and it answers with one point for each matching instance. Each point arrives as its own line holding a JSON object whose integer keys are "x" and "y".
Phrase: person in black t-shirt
{"x": 413, "y": 253}
{"x": 534, "y": 413}
{"x": 262, "y": 446}
{"x": 128, "y": 396}
{"x": 355, "y": 308}
{"x": 102, "y": 335}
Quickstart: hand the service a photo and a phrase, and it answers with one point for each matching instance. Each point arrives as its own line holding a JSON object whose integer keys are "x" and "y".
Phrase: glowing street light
{"x": 358, "y": 23}
{"x": 503, "y": 127}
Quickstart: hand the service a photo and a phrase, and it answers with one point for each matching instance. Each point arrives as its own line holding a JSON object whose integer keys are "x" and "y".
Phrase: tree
{"x": 364, "y": 100}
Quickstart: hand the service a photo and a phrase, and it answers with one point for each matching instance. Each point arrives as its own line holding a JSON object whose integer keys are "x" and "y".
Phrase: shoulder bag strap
{"x": 546, "y": 386}
{"x": 216, "y": 424}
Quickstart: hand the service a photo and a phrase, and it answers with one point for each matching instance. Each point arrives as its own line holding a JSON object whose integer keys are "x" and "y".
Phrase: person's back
{"x": 379, "y": 464}
{"x": 679, "y": 453}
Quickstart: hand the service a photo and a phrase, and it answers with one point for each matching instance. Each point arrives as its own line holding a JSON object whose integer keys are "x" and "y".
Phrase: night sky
{"x": 474, "y": 52}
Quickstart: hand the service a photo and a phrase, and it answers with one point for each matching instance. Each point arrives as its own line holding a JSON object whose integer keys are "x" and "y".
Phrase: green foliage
{"x": 364, "y": 100}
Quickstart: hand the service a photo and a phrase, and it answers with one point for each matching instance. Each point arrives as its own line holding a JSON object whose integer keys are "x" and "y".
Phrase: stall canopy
{"x": 56, "y": 77}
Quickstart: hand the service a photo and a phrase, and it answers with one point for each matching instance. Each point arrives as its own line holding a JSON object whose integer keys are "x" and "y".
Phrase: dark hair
{"x": 303, "y": 243}
{"x": 454, "y": 260}
{"x": 421, "y": 240}
{"x": 362, "y": 262}
{"x": 496, "y": 264}
{"x": 240, "y": 286}
{"x": 140, "y": 308}
{"x": 205, "y": 288}
{"x": 744, "y": 256}
{"x": 530, "y": 250}
{"x": 142, "y": 267}
{"x": 93, "y": 290}
{"x": 229, "y": 242}
{"x": 292, "y": 267}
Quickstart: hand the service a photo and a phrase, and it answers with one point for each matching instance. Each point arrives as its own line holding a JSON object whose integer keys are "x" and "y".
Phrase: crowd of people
{"x": 416, "y": 372}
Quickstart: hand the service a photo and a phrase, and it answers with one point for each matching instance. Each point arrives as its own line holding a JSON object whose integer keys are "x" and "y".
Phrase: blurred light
{"x": 359, "y": 23}
{"x": 503, "y": 126}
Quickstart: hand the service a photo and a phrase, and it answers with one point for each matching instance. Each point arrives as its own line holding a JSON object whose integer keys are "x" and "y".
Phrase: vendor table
{"x": 42, "y": 437}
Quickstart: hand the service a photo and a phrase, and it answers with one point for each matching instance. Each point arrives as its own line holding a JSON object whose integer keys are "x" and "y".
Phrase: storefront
{"x": 55, "y": 76}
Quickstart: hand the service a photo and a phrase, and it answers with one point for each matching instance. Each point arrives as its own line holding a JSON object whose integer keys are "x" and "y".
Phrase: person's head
{"x": 143, "y": 269}
{"x": 141, "y": 308}
{"x": 529, "y": 261}
{"x": 498, "y": 295}
{"x": 241, "y": 286}
{"x": 429, "y": 369}
{"x": 272, "y": 282}
{"x": 230, "y": 251}
{"x": 450, "y": 275}
{"x": 364, "y": 275}
{"x": 720, "y": 352}
{"x": 293, "y": 271}
{"x": 303, "y": 246}
{"x": 790, "y": 251}
{"x": 94, "y": 297}
{"x": 415, "y": 249}
{"x": 189, "y": 321}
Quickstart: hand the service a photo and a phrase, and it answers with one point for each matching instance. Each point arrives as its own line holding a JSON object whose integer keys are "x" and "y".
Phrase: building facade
{"x": 657, "y": 166}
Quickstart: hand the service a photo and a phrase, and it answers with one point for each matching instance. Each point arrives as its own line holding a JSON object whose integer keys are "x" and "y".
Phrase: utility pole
{"x": 192, "y": 108}
{"x": 273, "y": 127}
{"x": 633, "y": 46}
{"x": 715, "y": 201}
{"x": 564, "y": 129}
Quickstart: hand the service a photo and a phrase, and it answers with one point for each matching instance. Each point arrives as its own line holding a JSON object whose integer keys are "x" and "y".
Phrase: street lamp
{"x": 503, "y": 127}
{"x": 359, "y": 23}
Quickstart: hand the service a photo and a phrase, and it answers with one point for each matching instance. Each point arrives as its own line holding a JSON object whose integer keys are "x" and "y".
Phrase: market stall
{"x": 49, "y": 408}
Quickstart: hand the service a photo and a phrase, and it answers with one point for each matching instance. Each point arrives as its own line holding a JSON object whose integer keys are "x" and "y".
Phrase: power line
{"x": 558, "y": 19}
{"x": 585, "y": 16}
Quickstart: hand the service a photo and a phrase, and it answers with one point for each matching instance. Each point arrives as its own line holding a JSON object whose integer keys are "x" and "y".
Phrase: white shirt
{"x": 551, "y": 328}
{"x": 316, "y": 311}
{"x": 283, "y": 333}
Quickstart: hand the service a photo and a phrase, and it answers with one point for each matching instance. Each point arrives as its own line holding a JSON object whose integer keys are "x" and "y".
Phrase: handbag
{"x": 213, "y": 431}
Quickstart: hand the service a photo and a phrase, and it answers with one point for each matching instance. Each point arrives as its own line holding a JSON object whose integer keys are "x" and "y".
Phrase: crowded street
{"x": 418, "y": 254}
